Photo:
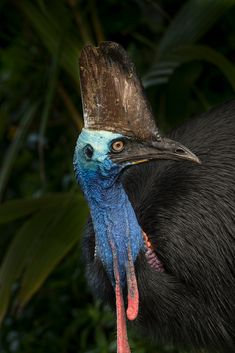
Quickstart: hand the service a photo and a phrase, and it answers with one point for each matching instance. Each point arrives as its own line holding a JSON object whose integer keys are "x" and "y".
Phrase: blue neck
{"x": 113, "y": 218}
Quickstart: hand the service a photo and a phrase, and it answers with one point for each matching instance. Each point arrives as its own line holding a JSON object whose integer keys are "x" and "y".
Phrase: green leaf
{"x": 14, "y": 148}
{"x": 38, "y": 247}
{"x": 49, "y": 96}
{"x": 52, "y": 28}
{"x": 13, "y": 210}
{"x": 205, "y": 53}
{"x": 161, "y": 72}
{"x": 194, "y": 19}
{"x": 190, "y": 24}
{"x": 178, "y": 92}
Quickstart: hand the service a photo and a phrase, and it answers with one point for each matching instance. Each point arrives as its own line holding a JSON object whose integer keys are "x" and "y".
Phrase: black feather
{"x": 188, "y": 213}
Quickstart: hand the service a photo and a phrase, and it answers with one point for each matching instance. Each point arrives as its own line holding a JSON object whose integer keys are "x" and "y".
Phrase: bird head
{"x": 119, "y": 127}
{"x": 104, "y": 153}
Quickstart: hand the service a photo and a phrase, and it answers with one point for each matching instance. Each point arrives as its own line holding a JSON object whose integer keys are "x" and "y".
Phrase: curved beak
{"x": 137, "y": 152}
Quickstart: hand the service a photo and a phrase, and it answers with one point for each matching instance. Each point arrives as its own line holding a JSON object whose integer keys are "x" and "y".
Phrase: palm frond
{"x": 39, "y": 245}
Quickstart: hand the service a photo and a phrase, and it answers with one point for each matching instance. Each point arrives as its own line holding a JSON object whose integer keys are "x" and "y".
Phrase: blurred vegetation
{"x": 183, "y": 50}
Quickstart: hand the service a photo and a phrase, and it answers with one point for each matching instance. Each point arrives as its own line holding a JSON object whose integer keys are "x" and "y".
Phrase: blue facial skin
{"x": 111, "y": 211}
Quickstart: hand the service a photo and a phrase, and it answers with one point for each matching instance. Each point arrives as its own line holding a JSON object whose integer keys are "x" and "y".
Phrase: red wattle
{"x": 133, "y": 293}
{"x": 122, "y": 339}
{"x": 133, "y": 306}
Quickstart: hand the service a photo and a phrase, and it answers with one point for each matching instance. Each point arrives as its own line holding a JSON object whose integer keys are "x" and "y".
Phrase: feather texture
{"x": 188, "y": 214}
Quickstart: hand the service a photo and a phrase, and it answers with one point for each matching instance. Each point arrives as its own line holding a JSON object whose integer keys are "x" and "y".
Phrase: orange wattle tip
{"x": 133, "y": 307}
{"x": 132, "y": 288}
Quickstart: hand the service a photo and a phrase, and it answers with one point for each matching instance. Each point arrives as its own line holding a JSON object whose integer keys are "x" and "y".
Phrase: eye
{"x": 117, "y": 146}
{"x": 88, "y": 151}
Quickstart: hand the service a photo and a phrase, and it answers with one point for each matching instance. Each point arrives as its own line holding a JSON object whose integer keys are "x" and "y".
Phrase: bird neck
{"x": 114, "y": 222}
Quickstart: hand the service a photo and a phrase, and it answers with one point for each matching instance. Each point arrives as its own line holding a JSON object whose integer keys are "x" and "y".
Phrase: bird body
{"x": 160, "y": 241}
{"x": 188, "y": 214}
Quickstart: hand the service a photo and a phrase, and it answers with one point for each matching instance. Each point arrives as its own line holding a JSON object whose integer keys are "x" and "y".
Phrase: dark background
{"x": 184, "y": 51}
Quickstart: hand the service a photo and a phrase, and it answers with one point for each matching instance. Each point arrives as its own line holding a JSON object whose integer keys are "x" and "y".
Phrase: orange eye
{"x": 118, "y": 146}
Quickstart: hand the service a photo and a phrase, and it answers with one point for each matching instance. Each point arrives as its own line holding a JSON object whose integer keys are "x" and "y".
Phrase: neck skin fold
{"x": 114, "y": 220}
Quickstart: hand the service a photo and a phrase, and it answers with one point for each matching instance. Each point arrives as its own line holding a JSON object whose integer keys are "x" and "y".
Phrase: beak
{"x": 136, "y": 152}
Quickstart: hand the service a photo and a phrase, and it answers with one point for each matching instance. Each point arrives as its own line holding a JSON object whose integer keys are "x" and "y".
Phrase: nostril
{"x": 180, "y": 150}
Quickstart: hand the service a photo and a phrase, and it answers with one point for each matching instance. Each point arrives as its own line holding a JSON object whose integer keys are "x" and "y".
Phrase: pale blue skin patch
{"x": 111, "y": 211}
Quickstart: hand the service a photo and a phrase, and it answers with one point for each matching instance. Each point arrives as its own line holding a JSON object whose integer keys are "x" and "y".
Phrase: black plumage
{"x": 188, "y": 212}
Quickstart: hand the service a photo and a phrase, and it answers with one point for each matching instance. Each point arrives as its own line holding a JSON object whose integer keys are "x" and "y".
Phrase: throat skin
{"x": 114, "y": 220}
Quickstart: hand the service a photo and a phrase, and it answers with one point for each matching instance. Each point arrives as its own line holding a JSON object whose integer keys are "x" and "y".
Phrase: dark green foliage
{"x": 184, "y": 51}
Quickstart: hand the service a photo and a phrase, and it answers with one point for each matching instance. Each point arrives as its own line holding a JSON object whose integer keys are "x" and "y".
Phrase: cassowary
{"x": 160, "y": 241}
